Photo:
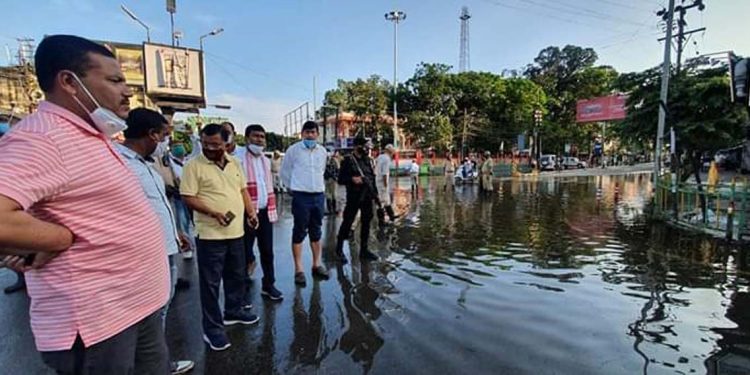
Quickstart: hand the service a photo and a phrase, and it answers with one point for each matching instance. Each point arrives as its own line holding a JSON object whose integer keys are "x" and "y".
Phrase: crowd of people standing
{"x": 101, "y": 272}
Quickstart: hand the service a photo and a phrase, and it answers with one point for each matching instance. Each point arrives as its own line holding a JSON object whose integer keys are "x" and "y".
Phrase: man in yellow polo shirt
{"x": 214, "y": 186}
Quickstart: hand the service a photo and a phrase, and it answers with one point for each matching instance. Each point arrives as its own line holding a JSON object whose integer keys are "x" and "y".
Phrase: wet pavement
{"x": 552, "y": 276}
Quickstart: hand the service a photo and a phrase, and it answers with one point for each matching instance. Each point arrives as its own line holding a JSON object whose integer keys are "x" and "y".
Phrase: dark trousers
{"x": 355, "y": 202}
{"x": 220, "y": 260}
{"x": 140, "y": 349}
{"x": 264, "y": 235}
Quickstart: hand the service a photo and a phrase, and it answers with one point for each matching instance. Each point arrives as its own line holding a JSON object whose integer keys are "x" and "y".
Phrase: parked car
{"x": 729, "y": 159}
{"x": 548, "y": 162}
{"x": 572, "y": 162}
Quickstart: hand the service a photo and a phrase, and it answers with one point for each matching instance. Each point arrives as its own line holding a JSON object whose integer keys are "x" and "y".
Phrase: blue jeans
{"x": 308, "y": 210}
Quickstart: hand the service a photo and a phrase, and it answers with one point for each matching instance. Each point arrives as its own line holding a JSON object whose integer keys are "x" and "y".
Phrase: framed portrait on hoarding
{"x": 173, "y": 72}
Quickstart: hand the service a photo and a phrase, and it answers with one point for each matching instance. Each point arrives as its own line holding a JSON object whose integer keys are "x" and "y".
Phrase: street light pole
{"x": 135, "y": 18}
{"x": 211, "y": 33}
{"x": 395, "y": 16}
{"x": 666, "y": 67}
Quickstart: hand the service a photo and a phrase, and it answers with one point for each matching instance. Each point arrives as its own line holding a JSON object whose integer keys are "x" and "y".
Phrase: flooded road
{"x": 557, "y": 276}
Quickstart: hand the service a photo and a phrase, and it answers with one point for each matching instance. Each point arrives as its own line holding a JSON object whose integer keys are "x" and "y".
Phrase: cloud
{"x": 246, "y": 110}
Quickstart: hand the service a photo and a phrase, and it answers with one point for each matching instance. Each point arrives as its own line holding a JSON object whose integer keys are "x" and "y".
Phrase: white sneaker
{"x": 181, "y": 367}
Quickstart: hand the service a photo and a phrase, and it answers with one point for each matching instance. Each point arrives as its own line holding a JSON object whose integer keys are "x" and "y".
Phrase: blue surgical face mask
{"x": 309, "y": 143}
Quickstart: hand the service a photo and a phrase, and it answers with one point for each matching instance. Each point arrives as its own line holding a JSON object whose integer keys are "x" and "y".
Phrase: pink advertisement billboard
{"x": 605, "y": 108}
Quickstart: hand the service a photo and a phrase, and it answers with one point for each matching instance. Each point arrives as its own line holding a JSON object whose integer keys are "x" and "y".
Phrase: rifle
{"x": 369, "y": 184}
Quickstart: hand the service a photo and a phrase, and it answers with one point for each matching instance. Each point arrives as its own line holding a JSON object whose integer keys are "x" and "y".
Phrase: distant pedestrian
{"x": 449, "y": 171}
{"x": 232, "y": 148}
{"x": 214, "y": 186}
{"x": 358, "y": 177}
{"x": 275, "y": 171}
{"x": 178, "y": 158}
{"x": 414, "y": 174}
{"x": 487, "y": 173}
{"x": 331, "y": 176}
{"x": 383, "y": 184}
{"x": 302, "y": 173}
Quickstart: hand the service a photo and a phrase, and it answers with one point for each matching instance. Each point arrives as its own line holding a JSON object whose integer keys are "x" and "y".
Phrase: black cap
{"x": 360, "y": 141}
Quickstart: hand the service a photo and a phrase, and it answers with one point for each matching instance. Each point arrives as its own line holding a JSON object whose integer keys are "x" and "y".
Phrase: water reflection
{"x": 309, "y": 335}
{"x": 361, "y": 338}
{"x": 561, "y": 275}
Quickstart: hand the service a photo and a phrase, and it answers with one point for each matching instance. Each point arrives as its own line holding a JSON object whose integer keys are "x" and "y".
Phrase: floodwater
{"x": 555, "y": 276}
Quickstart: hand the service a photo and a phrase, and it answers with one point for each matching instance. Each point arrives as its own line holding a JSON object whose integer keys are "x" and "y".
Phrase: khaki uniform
{"x": 449, "y": 172}
{"x": 486, "y": 170}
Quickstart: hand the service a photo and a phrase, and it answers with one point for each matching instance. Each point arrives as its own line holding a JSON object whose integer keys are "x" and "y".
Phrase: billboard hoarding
{"x": 173, "y": 73}
{"x": 131, "y": 61}
{"x": 605, "y": 108}
{"x": 130, "y": 57}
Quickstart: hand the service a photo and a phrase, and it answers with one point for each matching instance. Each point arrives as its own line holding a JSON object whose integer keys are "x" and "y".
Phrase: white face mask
{"x": 161, "y": 148}
{"x": 105, "y": 120}
{"x": 231, "y": 139}
{"x": 255, "y": 149}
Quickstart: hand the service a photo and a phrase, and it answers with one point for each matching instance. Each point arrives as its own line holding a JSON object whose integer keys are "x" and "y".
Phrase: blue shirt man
{"x": 146, "y": 138}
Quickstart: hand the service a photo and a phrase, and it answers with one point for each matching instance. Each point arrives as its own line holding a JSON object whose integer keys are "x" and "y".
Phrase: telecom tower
{"x": 464, "y": 63}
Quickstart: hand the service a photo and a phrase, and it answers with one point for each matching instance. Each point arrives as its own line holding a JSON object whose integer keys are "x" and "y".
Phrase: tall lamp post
{"x": 136, "y": 19}
{"x": 395, "y": 16}
{"x": 211, "y": 33}
{"x": 537, "y": 141}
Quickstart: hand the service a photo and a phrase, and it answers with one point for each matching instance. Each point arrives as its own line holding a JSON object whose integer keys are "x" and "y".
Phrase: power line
{"x": 621, "y": 5}
{"x": 580, "y": 11}
{"x": 256, "y": 72}
{"x": 550, "y": 16}
{"x": 682, "y": 36}
{"x": 632, "y": 36}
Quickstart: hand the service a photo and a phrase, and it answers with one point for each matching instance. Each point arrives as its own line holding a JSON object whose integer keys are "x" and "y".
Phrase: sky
{"x": 270, "y": 53}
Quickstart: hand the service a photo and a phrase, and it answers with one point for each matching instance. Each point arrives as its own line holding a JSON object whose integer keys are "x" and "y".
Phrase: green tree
{"x": 567, "y": 75}
{"x": 367, "y": 98}
{"x": 429, "y": 105}
{"x": 699, "y": 110}
{"x": 278, "y": 142}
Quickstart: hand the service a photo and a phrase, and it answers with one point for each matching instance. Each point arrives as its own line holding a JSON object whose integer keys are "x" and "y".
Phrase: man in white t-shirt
{"x": 382, "y": 183}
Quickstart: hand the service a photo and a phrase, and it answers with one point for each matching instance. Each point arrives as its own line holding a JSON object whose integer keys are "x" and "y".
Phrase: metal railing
{"x": 721, "y": 210}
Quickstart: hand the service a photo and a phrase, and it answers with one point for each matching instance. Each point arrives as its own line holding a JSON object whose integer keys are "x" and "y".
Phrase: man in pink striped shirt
{"x": 70, "y": 207}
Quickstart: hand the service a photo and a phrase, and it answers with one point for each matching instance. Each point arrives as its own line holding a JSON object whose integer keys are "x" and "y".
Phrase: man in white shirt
{"x": 302, "y": 173}
{"x": 414, "y": 172}
{"x": 382, "y": 183}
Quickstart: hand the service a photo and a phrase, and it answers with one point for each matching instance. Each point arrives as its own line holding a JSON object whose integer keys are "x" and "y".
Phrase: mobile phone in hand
{"x": 230, "y": 216}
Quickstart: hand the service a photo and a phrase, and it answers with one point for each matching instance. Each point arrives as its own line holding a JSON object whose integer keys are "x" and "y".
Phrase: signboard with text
{"x": 605, "y": 108}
